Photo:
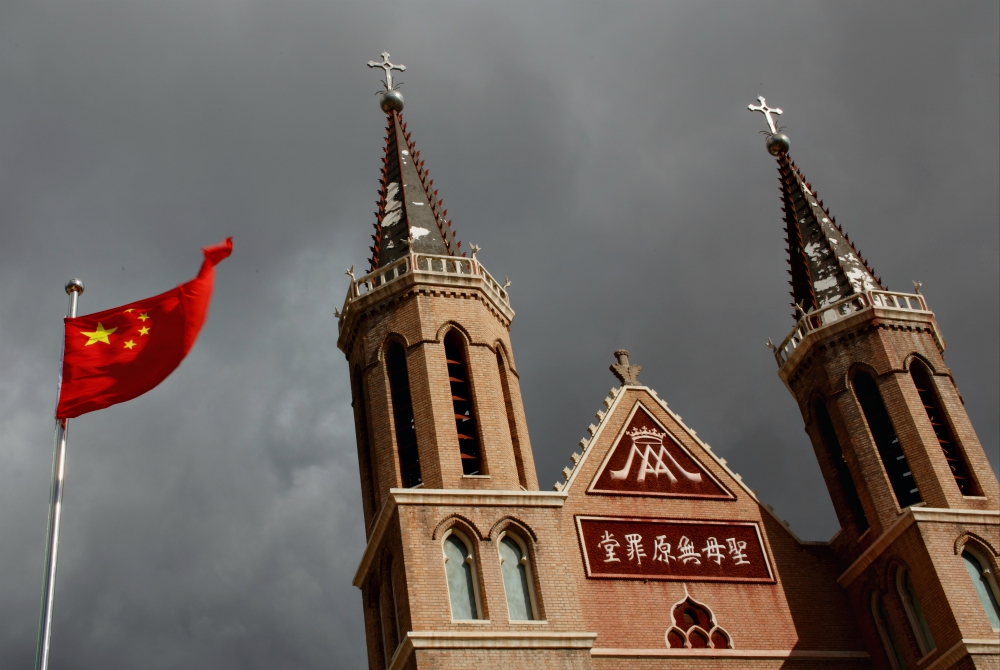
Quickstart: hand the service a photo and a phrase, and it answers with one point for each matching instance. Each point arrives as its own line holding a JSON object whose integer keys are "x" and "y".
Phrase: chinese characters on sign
{"x": 647, "y": 460}
{"x": 622, "y": 548}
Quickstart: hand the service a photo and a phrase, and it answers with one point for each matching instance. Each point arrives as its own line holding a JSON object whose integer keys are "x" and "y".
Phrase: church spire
{"x": 410, "y": 216}
{"x": 824, "y": 264}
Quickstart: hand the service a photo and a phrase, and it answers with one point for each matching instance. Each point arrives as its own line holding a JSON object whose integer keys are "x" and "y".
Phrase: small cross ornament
{"x": 766, "y": 111}
{"x": 388, "y": 67}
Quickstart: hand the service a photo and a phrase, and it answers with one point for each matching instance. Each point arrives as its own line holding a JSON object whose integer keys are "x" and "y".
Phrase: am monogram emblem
{"x": 646, "y": 460}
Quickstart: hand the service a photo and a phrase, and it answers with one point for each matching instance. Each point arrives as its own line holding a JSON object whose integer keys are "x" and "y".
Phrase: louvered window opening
{"x": 402, "y": 413}
{"x": 365, "y": 455}
{"x": 836, "y": 454}
{"x": 511, "y": 423}
{"x": 945, "y": 436}
{"x": 884, "y": 434}
{"x": 461, "y": 398}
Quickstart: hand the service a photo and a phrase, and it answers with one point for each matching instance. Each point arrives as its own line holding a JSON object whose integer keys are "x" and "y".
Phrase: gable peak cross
{"x": 388, "y": 67}
{"x": 766, "y": 111}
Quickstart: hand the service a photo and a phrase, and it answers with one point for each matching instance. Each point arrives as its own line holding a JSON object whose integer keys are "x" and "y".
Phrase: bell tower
{"x": 913, "y": 490}
{"x": 447, "y": 474}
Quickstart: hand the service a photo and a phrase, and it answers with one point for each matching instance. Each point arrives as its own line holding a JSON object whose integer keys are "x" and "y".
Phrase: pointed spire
{"x": 824, "y": 264}
{"x": 410, "y": 216}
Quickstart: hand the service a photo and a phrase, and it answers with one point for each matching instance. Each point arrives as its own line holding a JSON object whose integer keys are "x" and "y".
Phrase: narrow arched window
{"x": 374, "y": 605}
{"x": 886, "y": 441}
{"x": 942, "y": 429}
{"x": 390, "y": 621}
{"x": 518, "y": 586}
{"x": 887, "y": 634}
{"x": 364, "y": 443}
{"x": 402, "y": 414}
{"x": 460, "y": 568}
{"x": 836, "y": 455}
{"x": 461, "y": 398}
{"x": 914, "y": 612}
{"x": 985, "y": 586}
{"x": 511, "y": 422}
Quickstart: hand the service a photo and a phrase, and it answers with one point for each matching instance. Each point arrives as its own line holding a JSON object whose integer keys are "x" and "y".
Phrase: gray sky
{"x": 602, "y": 156}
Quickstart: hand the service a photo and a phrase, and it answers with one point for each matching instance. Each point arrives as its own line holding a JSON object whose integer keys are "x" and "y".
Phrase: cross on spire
{"x": 388, "y": 67}
{"x": 762, "y": 108}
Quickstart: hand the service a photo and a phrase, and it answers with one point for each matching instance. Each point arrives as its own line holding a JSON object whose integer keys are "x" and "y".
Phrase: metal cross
{"x": 763, "y": 109}
{"x": 388, "y": 67}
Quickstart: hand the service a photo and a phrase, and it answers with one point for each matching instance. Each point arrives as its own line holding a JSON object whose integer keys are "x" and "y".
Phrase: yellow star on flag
{"x": 144, "y": 330}
{"x": 129, "y": 310}
{"x": 143, "y": 317}
{"x": 99, "y": 335}
{"x": 129, "y": 344}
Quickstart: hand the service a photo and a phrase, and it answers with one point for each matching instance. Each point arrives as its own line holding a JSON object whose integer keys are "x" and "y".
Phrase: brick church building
{"x": 653, "y": 553}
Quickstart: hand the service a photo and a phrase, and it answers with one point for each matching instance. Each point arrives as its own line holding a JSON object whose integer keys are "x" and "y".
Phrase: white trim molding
{"x": 910, "y": 516}
{"x": 488, "y": 640}
{"x": 727, "y": 653}
{"x": 962, "y": 648}
{"x": 445, "y": 497}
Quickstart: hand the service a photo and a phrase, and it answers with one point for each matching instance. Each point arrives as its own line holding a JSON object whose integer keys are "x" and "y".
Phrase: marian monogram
{"x": 647, "y": 460}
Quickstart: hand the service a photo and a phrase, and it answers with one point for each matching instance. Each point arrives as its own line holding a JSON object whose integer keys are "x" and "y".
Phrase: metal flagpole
{"x": 74, "y": 288}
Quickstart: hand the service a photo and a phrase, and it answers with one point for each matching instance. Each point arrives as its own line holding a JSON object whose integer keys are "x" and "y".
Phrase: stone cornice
{"x": 961, "y": 649}
{"x": 727, "y": 653}
{"x": 487, "y": 640}
{"x": 446, "y": 497}
{"x": 910, "y": 516}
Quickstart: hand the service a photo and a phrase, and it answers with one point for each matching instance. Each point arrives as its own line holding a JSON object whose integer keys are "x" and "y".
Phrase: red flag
{"x": 119, "y": 354}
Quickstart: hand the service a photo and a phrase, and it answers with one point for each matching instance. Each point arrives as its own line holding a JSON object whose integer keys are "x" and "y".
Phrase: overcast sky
{"x": 602, "y": 156}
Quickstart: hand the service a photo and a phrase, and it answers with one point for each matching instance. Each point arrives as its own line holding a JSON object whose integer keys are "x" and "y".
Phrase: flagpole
{"x": 74, "y": 288}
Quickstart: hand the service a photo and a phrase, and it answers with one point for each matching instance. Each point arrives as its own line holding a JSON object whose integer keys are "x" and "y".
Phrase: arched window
{"x": 694, "y": 627}
{"x": 946, "y": 438}
{"x": 374, "y": 605}
{"x": 896, "y": 467}
{"x": 460, "y": 568}
{"x": 402, "y": 414}
{"x": 836, "y": 455}
{"x": 387, "y": 605}
{"x": 887, "y": 634}
{"x": 364, "y": 443}
{"x": 461, "y": 398}
{"x": 986, "y": 586}
{"x": 517, "y": 578}
{"x": 511, "y": 423}
{"x": 914, "y": 612}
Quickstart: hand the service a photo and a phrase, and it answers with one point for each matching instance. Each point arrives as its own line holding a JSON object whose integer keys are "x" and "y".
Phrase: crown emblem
{"x": 646, "y": 435}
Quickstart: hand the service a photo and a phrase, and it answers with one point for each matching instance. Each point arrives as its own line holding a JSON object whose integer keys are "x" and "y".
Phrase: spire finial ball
{"x": 391, "y": 101}
{"x": 777, "y": 144}
{"x": 74, "y": 286}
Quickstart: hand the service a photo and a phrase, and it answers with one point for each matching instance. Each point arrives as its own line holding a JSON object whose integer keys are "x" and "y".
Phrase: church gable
{"x": 647, "y": 460}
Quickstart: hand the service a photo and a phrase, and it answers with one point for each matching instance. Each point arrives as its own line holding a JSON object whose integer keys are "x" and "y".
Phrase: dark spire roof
{"x": 408, "y": 206}
{"x": 824, "y": 264}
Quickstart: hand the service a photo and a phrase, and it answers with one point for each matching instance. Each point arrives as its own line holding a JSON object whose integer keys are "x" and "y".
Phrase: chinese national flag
{"x": 119, "y": 354}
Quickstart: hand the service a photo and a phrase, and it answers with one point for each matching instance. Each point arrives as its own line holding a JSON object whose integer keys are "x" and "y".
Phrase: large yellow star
{"x": 129, "y": 344}
{"x": 99, "y": 335}
{"x": 143, "y": 317}
{"x": 144, "y": 330}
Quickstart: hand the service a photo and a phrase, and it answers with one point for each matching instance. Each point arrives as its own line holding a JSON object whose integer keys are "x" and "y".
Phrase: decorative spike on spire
{"x": 824, "y": 264}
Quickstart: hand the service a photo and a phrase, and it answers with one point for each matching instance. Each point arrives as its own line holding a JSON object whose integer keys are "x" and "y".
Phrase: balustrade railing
{"x": 817, "y": 319}
{"x": 424, "y": 264}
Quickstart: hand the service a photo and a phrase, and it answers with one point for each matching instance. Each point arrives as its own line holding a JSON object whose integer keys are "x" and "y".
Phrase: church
{"x": 652, "y": 553}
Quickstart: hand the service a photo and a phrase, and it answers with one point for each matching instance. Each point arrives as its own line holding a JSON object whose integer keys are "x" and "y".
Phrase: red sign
{"x": 646, "y": 460}
{"x": 691, "y": 551}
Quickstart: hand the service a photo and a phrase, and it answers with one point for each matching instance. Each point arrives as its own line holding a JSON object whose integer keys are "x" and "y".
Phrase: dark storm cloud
{"x": 601, "y": 155}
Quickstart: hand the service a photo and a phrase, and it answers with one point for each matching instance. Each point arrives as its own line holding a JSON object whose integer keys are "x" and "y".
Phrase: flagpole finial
{"x": 74, "y": 286}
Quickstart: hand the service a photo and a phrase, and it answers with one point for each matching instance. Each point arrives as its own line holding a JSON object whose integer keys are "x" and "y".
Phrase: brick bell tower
{"x": 456, "y": 572}
{"x": 913, "y": 490}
